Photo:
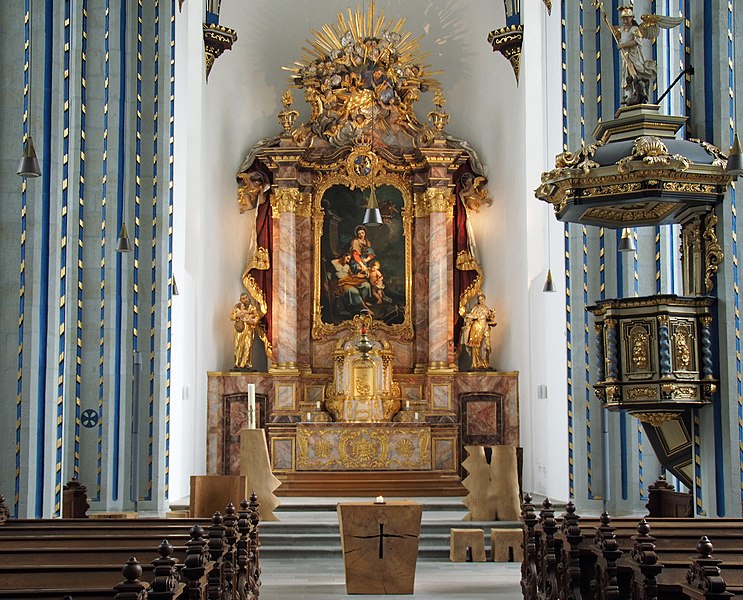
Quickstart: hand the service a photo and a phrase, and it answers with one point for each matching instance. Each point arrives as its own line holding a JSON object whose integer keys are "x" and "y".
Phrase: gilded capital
{"x": 434, "y": 200}
{"x": 290, "y": 200}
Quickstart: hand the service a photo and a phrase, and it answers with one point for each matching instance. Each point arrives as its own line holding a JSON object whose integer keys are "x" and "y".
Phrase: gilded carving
{"x": 644, "y": 393}
{"x": 627, "y": 214}
{"x": 655, "y": 418}
{"x": 433, "y": 200}
{"x": 713, "y": 253}
{"x": 363, "y": 448}
{"x": 290, "y": 200}
{"x": 652, "y": 151}
{"x": 681, "y": 338}
{"x": 287, "y": 116}
{"x": 640, "y": 343}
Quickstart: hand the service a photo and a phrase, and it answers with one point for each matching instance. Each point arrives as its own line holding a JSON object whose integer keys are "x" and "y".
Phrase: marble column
{"x": 439, "y": 278}
{"x": 284, "y": 204}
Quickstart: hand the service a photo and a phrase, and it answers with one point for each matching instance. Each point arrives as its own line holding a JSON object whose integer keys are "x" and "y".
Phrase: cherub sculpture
{"x": 638, "y": 71}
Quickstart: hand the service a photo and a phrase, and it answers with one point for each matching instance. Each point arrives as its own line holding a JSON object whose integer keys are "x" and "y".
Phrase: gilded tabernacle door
{"x": 361, "y": 266}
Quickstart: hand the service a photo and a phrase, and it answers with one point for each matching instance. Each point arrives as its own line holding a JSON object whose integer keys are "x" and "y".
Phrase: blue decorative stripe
{"x": 615, "y": 54}
{"x": 46, "y": 166}
{"x": 63, "y": 263}
{"x": 734, "y": 228}
{"x": 622, "y": 416}
{"x": 697, "y": 465}
{"x": 568, "y": 333}
{"x": 709, "y": 109}
{"x": 153, "y": 265}
{"x": 80, "y": 235}
{"x": 22, "y": 270}
{"x": 171, "y": 123}
{"x": 119, "y": 275}
{"x": 102, "y": 296}
{"x": 584, "y": 260}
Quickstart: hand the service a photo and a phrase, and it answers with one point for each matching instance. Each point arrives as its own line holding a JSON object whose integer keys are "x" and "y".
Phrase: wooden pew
{"x": 58, "y": 558}
{"x": 570, "y": 557}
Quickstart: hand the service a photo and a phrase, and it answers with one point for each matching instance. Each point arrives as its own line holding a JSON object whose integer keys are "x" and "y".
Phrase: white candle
{"x": 379, "y": 500}
{"x": 415, "y": 416}
{"x": 407, "y": 404}
{"x": 251, "y": 406}
{"x": 309, "y": 416}
{"x": 318, "y": 405}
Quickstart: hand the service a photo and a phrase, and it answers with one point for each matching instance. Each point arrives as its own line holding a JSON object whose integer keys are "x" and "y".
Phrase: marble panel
{"x": 305, "y": 286}
{"x": 313, "y": 393}
{"x": 504, "y": 384}
{"x": 444, "y": 454}
{"x": 481, "y": 418}
{"x": 441, "y": 396}
{"x": 285, "y": 397}
{"x": 282, "y": 454}
{"x": 420, "y": 289}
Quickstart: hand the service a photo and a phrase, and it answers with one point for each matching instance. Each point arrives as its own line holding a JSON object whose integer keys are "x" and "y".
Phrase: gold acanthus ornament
{"x": 288, "y": 115}
{"x": 713, "y": 253}
{"x": 650, "y": 150}
{"x": 290, "y": 200}
{"x": 656, "y": 419}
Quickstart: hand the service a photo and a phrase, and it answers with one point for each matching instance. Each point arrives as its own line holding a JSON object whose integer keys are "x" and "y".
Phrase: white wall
{"x": 217, "y": 123}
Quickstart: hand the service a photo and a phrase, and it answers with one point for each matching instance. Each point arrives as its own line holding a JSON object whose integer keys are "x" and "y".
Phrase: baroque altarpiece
{"x": 362, "y": 324}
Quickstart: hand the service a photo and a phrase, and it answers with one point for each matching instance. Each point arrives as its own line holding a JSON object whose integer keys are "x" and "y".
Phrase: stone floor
{"x": 323, "y": 579}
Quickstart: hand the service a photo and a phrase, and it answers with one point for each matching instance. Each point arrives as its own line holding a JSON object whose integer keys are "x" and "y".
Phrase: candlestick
{"x": 251, "y": 406}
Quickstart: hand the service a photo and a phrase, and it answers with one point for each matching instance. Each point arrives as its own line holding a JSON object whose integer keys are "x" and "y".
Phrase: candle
{"x": 415, "y": 416}
{"x": 251, "y": 406}
{"x": 407, "y": 404}
{"x": 379, "y": 500}
{"x": 318, "y": 405}
{"x": 309, "y": 416}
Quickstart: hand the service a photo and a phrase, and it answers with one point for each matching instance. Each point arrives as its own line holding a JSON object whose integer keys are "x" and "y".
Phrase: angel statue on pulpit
{"x": 633, "y": 40}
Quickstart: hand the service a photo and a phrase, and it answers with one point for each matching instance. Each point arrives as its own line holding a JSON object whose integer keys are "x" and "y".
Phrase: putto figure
{"x": 633, "y": 40}
{"x": 476, "y": 333}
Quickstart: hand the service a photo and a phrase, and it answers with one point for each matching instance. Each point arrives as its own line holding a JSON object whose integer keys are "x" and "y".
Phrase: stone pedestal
{"x": 255, "y": 466}
{"x": 380, "y": 546}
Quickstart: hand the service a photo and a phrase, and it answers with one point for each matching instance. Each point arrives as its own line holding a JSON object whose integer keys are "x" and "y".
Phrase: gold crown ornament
{"x": 626, "y": 11}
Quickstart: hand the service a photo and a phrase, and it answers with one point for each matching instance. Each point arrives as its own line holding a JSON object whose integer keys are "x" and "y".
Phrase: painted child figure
{"x": 376, "y": 279}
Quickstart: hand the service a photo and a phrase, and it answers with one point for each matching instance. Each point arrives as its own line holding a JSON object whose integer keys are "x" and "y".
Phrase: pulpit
{"x": 380, "y": 545}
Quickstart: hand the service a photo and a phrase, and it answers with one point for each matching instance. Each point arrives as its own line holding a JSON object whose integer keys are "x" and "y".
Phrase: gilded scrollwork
{"x": 656, "y": 419}
{"x": 644, "y": 393}
{"x": 650, "y": 150}
{"x": 713, "y": 253}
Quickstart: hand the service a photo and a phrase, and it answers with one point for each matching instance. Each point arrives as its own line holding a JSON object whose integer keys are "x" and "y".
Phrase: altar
{"x": 363, "y": 290}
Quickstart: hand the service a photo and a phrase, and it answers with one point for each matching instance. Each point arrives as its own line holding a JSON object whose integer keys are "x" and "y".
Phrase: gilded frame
{"x": 320, "y": 329}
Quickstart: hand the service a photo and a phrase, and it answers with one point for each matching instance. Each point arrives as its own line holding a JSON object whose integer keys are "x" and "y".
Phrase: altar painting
{"x": 363, "y": 267}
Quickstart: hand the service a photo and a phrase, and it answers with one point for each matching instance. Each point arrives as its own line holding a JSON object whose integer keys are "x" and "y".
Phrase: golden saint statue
{"x": 476, "y": 333}
{"x": 246, "y": 318}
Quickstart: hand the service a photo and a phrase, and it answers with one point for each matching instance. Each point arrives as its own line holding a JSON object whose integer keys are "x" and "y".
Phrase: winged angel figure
{"x": 633, "y": 40}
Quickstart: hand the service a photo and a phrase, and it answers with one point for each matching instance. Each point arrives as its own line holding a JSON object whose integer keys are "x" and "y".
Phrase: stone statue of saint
{"x": 246, "y": 318}
{"x": 476, "y": 333}
{"x": 633, "y": 40}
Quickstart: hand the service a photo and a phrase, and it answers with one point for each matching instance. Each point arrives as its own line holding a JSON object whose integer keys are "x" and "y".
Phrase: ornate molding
{"x": 508, "y": 41}
{"x": 217, "y": 39}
